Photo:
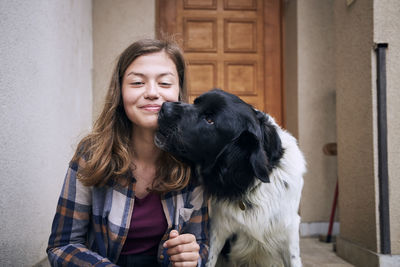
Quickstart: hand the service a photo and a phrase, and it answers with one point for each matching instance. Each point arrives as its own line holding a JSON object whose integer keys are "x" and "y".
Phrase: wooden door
{"x": 234, "y": 45}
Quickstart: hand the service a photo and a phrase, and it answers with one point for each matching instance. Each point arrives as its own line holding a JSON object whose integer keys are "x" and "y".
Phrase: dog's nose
{"x": 169, "y": 109}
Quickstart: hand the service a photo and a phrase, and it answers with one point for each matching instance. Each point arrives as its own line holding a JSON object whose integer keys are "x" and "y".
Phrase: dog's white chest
{"x": 263, "y": 230}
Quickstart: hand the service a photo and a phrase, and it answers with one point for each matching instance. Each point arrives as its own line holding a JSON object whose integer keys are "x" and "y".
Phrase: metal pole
{"x": 384, "y": 218}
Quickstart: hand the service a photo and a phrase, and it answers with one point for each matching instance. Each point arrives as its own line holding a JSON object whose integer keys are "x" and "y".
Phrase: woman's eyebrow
{"x": 135, "y": 73}
{"x": 165, "y": 74}
{"x": 141, "y": 74}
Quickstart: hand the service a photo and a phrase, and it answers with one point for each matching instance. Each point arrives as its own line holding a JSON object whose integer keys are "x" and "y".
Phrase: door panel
{"x": 234, "y": 45}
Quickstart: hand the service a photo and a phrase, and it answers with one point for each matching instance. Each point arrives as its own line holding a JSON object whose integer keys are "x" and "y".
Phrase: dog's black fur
{"x": 228, "y": 142}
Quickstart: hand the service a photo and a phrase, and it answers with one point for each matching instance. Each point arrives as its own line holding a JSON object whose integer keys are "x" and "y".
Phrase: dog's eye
{"x": 209, "y": 120}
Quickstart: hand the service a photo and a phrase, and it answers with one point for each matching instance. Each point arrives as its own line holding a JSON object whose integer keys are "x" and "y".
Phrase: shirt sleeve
{"x": 198, "y": 222}
{"x": 68, "y": 239}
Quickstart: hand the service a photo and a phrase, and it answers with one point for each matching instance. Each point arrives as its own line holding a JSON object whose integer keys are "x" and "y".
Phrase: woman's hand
{"x": 183, "y": 250}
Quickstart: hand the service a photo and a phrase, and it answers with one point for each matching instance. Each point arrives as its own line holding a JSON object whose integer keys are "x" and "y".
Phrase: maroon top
{"x": 148, "y": 225}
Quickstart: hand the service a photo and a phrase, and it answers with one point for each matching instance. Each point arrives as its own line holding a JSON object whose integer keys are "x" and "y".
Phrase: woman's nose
{"x": 152, "y": 91}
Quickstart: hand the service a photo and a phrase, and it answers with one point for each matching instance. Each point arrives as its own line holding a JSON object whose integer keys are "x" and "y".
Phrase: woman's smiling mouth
{"x": 151, "y": 108}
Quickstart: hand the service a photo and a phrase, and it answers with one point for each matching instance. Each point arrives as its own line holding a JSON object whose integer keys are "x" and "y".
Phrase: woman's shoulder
{"x": 83, "y": 150}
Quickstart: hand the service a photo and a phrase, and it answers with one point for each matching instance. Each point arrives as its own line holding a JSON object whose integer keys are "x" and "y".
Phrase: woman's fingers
{"x": 182, "y": 249}
{"x": 175, "y": 239}
{"x": 185, "y": 257}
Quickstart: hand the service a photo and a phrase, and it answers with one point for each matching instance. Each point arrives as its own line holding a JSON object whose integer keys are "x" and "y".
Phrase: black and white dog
{"x": 251, "y": 168}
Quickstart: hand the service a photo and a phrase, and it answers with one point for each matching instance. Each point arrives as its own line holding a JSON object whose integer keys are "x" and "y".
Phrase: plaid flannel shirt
{"x": 91, "y": 223}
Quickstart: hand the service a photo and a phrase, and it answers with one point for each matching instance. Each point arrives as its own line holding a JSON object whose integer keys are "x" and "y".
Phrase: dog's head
{"x": 232, "y": 143}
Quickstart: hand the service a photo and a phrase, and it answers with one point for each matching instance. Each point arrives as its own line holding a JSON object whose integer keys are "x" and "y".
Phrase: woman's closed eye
{"x": 165, "y": 84}
{"x": 137, "y": 84}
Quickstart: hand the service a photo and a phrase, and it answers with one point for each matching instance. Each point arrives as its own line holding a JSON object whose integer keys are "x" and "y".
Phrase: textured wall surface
{"x": 45, "y": 106}
{"x": 387, "y": 30}
{"x": 356, "y": 128}
{"x": 290, "y": 65}
{"x": 317, "y": 106}
{"x": 310, "y": 99}
{"x": 116, "y": 24}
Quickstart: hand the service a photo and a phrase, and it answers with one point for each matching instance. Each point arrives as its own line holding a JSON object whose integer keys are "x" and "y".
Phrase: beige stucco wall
{"x": 387, "y": 30}
{"x": 45, "y": 106}
{"x": 328, "y": 48}
{"x": 290, "y": 52}
{"x": 317, "y": 104}
{"x": 116, "y": 24}
{"x": 358, "y": 27}
{"x": 356, "y": 128}
{"x": 310, "y": 99}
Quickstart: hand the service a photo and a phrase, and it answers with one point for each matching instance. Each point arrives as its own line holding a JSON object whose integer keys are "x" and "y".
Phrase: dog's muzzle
{"x": 168, "y": 115}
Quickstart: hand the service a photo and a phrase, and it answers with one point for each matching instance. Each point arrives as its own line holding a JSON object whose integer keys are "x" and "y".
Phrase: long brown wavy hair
{"x": 105, "y": 154}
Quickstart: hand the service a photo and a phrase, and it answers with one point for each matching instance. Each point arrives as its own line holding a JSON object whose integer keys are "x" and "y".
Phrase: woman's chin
{"x": 149, "y": 127}
{"x": 150, "y": 123}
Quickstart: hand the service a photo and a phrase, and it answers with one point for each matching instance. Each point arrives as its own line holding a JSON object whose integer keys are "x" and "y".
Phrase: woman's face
{"x": 148, "y": 82}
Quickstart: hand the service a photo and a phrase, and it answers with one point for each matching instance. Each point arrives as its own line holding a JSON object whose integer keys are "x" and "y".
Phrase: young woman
{"x": 124, "y": 201}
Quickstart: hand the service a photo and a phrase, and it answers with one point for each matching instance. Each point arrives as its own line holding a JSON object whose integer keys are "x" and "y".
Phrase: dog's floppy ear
{"x": 258, "y": 160}
{"x": 271, "y": 141}
{"x": 233, "y": 159}
{"x": 236, "y": 166}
